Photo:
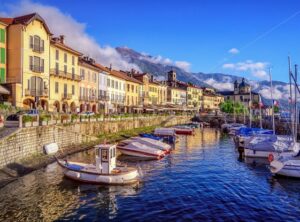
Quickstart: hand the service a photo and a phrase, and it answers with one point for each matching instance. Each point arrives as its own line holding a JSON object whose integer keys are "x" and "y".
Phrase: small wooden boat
{"x": 168, "y": 134}
{"x": 184, "y": 130}
{"x": 153, "y": 143}
{"x": 134, "y": 148}
{"x": 104, "y": 172}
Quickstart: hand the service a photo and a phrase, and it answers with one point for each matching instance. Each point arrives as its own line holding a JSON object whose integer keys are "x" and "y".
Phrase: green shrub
{"x": 27, "y": 119}
{"x": 45, "y": 117}
{"x": 74, "y": 117}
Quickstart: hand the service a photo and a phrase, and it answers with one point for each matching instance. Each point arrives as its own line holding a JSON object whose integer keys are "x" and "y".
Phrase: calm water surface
{"x": 203, "y": 179}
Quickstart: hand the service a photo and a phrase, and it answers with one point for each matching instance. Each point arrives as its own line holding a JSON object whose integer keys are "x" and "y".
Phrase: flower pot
{"x": 35, "y": 124}
{"x": 27, "y": 124}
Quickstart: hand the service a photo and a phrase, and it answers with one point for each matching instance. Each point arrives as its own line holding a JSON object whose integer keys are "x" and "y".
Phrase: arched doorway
{"x": 56, "y": 106}
{"x": 43, "y": 104}
{"x": 88, "y": 107}
{"x": 28, "y": 104}
{"x": 73, "y": 107}
{"x": 65, "y": 107}
{"x": 94, "y": 108}
{"x": 82, "y": 108}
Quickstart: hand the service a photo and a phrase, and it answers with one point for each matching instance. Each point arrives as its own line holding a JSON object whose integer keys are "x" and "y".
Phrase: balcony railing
{"x": 103, "y": 97}
{"x": 66, "y": 96}
{"x": 35, "y": 68}
{"x": 36, "y": 92}
{"x": 66, "y": 75}
{"x": 83, "y": 98}
{"x": 37, "y": 48}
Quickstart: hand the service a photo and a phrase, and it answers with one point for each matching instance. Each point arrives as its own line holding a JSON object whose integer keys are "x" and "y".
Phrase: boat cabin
{"x": 105, "y": 158}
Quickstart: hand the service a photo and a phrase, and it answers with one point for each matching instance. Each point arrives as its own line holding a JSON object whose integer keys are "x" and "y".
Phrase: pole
{"x": 271, "y": 89}
{"x": 291, "y": 98}
{"x": 296, "y": 108}
{"x": 250, "y": 105}
{"x": 260, "y": 117}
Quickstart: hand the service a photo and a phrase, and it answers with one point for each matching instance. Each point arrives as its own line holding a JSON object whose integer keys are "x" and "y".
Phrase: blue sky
{"x": 199, "y": 32}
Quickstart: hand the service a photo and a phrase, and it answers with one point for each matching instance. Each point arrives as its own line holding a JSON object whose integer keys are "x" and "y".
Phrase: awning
{"x": 3, "y": 90}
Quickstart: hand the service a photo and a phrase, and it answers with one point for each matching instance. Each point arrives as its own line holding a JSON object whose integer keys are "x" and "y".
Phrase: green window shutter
{"x": 2, "y": 35}
{"x": 2, "y": 56}
{"x": 2, "y": 75}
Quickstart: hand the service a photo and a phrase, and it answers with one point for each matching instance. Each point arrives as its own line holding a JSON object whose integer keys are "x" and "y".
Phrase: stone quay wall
{"x": 26, "y": 142}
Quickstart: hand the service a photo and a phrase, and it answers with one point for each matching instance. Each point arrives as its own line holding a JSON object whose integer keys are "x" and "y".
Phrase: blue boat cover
{"x": 151, "y": 136}
{"x": 74, "y": 167}
{"x": 247, "y": 131}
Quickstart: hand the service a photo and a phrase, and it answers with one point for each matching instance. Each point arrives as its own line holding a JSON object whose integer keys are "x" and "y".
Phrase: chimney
{"x": 62, "y": 39}
{"x": 152, "y": 78}
{"x": 110, "y": 66}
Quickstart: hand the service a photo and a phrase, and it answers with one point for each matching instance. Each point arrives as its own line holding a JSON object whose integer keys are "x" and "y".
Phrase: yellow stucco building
{"x": 162, "y": 94}
{"x": 211, "y": 100}
{"x": 88, "y": 85}
{"x": 28, "y": 48}
{"x": 133, "y": 89}
{"x": 64, "y": 77}
{"x": 194, "y": 95}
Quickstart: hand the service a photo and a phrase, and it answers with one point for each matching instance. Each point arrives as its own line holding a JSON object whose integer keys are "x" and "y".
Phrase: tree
{"x": 229, "y": 106}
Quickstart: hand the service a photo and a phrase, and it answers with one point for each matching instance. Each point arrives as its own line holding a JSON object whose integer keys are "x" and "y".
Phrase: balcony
{"x": 92, "y": 98}
{"x": 66, "y": 96}
{"x": 83, "y": 98}
{"x": 37, "y": 48}
{"x": 103, "y": 97}
{"x": 66, "y": 75}
{"x": 35, "y": 68}
{"x": 35, "y": 92}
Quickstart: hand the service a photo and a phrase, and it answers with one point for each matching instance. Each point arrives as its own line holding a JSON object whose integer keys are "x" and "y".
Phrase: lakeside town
{"x": 80, "y": 140}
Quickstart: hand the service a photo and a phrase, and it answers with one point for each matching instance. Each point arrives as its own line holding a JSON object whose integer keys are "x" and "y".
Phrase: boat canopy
{"x": 247, "y": 131}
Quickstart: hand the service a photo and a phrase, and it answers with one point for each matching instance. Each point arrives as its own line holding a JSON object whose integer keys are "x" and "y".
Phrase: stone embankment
{"x": 22, "y": 151}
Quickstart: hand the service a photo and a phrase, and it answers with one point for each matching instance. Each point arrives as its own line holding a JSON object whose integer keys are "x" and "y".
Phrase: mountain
{"x": 219, "y": 81}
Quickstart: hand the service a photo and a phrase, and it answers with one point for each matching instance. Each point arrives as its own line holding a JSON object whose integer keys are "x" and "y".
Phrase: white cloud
{"x": 227, "y": 85}
{"x": 166, "y": 61}
{"x": 183, "y": 65}
{"x": 233, "y": 51}
{"x": 76, "y": 36}
{"x": 256, "y": 69}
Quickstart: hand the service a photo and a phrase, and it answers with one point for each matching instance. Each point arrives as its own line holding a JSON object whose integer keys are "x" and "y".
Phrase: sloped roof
{"x": 65, "y": 47}
{"x": 124, "y": 76}
{"x": 25, "y": 20}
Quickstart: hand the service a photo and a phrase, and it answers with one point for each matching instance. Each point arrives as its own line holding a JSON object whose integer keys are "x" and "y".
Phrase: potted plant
{"x": 44, "y": 119}
{"x": 27, "y": 121}
{"x": 35, "y": 121}
{"x": 74, "y": 118}
{"x": 65, "y": 118}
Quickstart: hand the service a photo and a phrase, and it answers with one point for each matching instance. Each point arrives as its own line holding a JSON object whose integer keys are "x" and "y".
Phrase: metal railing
{"x": 64, "y": 74}
{"x": 67, "y": 96}
{"x": 36, "y": 92}
{"x": 36, "y": 68}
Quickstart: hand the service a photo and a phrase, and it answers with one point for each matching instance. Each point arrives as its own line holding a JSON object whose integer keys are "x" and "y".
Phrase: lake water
{"x": 202, "y": 179}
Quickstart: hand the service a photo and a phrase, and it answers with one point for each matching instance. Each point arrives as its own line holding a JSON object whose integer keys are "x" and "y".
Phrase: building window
{"x": 2, "y": 35}
{"x": 2, "y": 56}
{"x": 108, "y": 82}
{"x": 65, "y": 58}
{"x": 73, "y": 71}
{"x": 36, "y": 43}
{"x": 95, "y": 77}
{"x": 73, "y": 60}
{"x": 56, "y": 68}
{"x": 82, "y": 73}
{"x": 56, "y": 54}
{"x": 65, "y": 69}
{"x": 36, "y": 64}
{"x": 56, "y": 87}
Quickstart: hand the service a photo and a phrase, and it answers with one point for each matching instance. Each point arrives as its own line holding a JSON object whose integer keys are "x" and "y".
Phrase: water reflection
{"x": 201, "y": 180}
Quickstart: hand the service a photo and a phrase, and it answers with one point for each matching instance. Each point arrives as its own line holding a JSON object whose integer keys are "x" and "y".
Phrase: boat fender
{"x": 270, "y": 157}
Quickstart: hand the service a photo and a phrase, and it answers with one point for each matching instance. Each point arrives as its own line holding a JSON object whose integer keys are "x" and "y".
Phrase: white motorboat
{"x": 152, "y": 143}
{"x": 168, "y": 134}
{"x": 137, "y": 149}
{"x": 286, "y": 164}
{"x": 104, "y": 172}
{"x": 264, "y": 144}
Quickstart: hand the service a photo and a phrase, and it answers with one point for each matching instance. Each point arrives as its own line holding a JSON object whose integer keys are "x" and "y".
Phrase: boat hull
{"x": 102, "y": 179}
{"x": 139, "y": 154}
{"x": 184, "y": 132}
{"x": 257, "y": 153}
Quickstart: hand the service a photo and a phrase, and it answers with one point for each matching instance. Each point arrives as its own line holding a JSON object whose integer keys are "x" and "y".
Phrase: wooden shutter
{"x": 31, "y": 42}
{"x": 30, "y": 63}
{"x": 2, "y": 56}
{"x": 42, "y": 45}
{"x": 42, "y": 65}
